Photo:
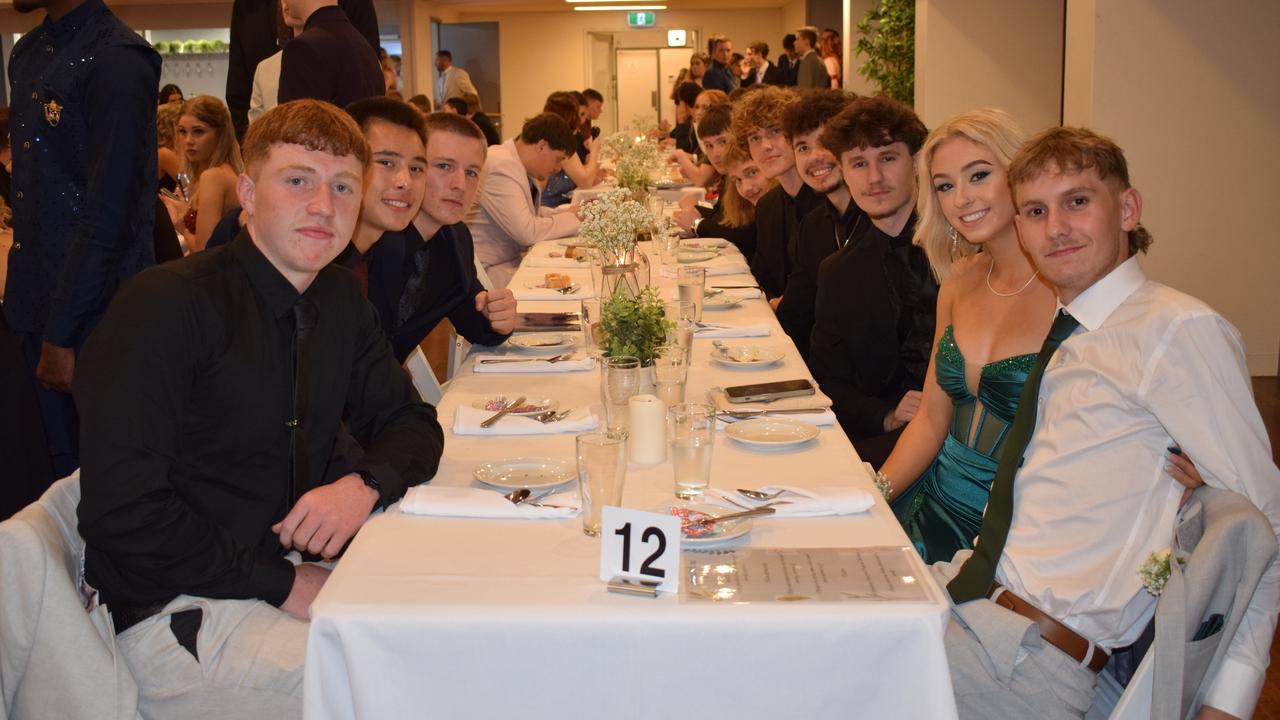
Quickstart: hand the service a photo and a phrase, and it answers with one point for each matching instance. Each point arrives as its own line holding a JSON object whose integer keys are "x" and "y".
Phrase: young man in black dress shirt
{"x": 757, "y": 126}
{"x": 426, "y": 272}
{"x": 830, "y": 225}
{"x": 211, "y": 396}
{"x": 874, "y": 310}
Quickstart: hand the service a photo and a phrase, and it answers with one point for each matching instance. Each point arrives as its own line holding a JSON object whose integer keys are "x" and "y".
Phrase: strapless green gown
{"x": 942, "y": 511}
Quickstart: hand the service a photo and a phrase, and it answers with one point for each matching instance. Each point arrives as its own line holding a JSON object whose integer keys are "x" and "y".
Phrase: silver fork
{"x": 552, "y": 359}
{"x": 569, "y": 289}
{"x": 551, "y": 416}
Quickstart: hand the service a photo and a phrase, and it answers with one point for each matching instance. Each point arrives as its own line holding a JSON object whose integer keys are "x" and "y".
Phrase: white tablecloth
{"x": 465, "y": 618}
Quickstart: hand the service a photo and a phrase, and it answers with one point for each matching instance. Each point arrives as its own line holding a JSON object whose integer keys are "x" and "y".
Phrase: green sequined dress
{"x": 942, "y": 511}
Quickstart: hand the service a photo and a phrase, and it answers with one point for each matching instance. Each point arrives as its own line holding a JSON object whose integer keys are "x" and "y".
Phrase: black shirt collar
{"x": 279, "y": 295}
{"x": 71, "y": 23}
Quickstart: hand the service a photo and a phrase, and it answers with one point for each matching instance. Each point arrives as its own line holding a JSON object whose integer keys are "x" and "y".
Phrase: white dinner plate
{"x": 535, "y": 473}
{"x": 720, "y": 301}
{"x": 530, "y": 406}
{"x": 746, "y": 356}
{"x": 573, "y": 242}
{"x": 542, "y": 342}
{"x": 704, "y": 244}
{"x": 695, "y": 256}
{"x": 772, "y": 433}
{"x": 720, "y": 533}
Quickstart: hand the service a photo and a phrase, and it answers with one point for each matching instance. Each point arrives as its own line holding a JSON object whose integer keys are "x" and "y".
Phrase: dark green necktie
{"x": 974, "y": 579}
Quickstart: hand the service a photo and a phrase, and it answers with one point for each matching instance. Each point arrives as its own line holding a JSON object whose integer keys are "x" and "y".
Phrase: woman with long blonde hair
{"x": 994, "y": 311}
{"x": 206, "y": 142}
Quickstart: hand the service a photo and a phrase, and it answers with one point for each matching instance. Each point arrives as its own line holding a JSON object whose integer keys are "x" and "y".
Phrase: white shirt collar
{"x": 1093, "y": 306}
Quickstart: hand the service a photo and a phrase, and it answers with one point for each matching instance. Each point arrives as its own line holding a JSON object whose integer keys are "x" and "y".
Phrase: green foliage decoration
{"x": 634, "y": 325}
{"x": 887, "y": 37}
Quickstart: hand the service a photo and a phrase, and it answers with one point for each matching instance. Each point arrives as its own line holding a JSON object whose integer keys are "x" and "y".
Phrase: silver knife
{"x": 506, "y": 409}
{"x": 788, "y": 411}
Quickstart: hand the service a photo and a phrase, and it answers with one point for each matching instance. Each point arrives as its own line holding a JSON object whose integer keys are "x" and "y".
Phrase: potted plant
{"x": 610, "y": 224}
{"x": 888, "y": 40}
{"x": 634, "y": 325}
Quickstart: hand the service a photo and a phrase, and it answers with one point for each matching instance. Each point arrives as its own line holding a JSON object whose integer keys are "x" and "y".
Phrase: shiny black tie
{"x": 974, "y": 579}
{"x": 304, "y": 319}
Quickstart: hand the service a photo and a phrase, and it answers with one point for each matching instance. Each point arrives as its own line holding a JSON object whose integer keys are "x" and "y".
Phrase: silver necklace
{"x": 1025, "y": 285}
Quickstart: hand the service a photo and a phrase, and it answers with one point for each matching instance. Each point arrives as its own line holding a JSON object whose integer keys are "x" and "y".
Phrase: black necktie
{"x": 974, "y": 579}
{"x": 304, "y": 319}
{"x": 414, "y": 286}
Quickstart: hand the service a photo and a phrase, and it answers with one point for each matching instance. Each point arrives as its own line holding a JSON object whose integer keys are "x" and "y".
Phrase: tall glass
{"x": 682, "y": 336}
{"x": 678, "y": 310}
{"x": 619, "y": 380}
{"x": 602, "y": 469}
{"x": 668, "y": 246}
{"x": 693, "y": 282}
{"x": 670, "y": 371}
{"x": 590, "y": 322}
{"x": 693, "y": 434}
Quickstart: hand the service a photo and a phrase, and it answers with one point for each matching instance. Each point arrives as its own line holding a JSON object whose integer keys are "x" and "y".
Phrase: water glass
{"x": 670, "y": 370}
{"x": 590, "y": 323}
{"x": 678, "y": 310}
{"x": 682, "y": 336}
{"x": 602, "y": 469}
{"x": 619, "y": 380}
{"x": 668, "y": 246}
{"x": 693, "y": 433}
{"x": 693, "y": 282}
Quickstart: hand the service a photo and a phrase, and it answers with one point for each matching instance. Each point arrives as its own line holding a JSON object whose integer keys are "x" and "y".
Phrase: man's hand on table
{"x": 906, "y": 410}
{"x": 685, "y": 217}
{"x": 56, "y": 366}
{"x": 499, "y": 308}
{"x": 308, "y": 578}
{"x": 324, "y": 519}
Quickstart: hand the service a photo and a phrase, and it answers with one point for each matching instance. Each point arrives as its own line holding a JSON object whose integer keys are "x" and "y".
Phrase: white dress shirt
{"x": 453, "y": 82}
{"x": 506, "y": 217}
{"x": 1149, "y": 367}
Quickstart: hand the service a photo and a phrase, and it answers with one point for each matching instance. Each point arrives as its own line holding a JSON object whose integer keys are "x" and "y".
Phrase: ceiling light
{"x": 617, "y": 7}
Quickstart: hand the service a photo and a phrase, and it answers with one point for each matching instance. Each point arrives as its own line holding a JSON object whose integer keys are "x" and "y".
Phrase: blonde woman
{"x": 206, "y": 142}
{"x": 994, "y": 311}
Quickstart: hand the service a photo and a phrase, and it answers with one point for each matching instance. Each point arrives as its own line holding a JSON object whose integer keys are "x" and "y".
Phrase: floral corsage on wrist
{"x": 1154, "y": 571}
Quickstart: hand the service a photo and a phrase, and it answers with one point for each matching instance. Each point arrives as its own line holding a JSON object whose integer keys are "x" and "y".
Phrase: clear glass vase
{"x": 627, "y": 270}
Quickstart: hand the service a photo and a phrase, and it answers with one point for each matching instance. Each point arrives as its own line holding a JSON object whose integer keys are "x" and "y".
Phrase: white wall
{"x": 995, "y": 53}
{"x": 1189, "y": 90}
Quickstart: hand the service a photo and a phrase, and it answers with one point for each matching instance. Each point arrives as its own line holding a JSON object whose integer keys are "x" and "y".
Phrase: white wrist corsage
{"x": 1154, "y": 571}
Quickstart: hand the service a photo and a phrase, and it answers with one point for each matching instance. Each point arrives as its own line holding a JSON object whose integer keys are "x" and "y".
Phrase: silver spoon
{"x": 518, "y": 496}
{"x": 757, "y": 495}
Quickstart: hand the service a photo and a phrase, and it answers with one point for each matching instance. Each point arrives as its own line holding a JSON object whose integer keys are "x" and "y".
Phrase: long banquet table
{"x": 486, "y": 618}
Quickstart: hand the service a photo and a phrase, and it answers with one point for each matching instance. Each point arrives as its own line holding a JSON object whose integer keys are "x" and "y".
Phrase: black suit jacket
{"x": 822, "y": 232}
{"x": 330, "y": 61}
{"x": 873, "y": 327}
{"x": 778, "y": 217}
{"x": 773, "y": 75}
{"x": 253, "y": 39}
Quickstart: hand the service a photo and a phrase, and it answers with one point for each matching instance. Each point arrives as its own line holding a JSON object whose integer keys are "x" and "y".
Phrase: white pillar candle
{"x": 648, "y": 439}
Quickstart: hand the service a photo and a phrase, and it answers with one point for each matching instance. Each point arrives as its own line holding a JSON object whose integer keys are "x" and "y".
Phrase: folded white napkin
{"x": 466, "y": 421}
{"x": 725, "y": 331}
{"x": 817, "y": 399}
{"x": 551, "y": 255}
{"x": 735, "y": 293}
{"x": 532, "y": 365}
{"x": 720, "y": 265}
{"x": 803, "y": 502}
{"x": 584, "y": 292}
{"x": 480, "y": 503}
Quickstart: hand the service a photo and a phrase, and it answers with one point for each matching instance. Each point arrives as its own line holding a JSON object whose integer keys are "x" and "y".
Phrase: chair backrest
{"x": 56, "y": 658}
{"x": 483, "y": 275}
{"x": 424, "y": 379}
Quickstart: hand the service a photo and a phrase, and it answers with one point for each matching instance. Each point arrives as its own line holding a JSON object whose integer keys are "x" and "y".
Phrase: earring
{"x": 955, "y": 240}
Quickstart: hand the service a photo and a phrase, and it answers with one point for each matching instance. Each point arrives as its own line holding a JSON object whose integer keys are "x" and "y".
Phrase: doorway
{"x": 636, "y": 73}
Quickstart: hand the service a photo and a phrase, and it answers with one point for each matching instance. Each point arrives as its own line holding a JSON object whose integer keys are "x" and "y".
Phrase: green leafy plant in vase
{"x": 634, "y": 325}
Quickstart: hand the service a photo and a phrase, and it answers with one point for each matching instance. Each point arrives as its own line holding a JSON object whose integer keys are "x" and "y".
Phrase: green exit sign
{"x": 641, "y": 19}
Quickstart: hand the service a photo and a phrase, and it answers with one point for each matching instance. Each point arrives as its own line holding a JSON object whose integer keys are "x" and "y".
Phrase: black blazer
{"x": 773, "y": 75}
{"x": 873, "y": 327}
{"x": 778, "y": 217}
{"x": 253, "y": 39}
{"x": 330, "y": 61}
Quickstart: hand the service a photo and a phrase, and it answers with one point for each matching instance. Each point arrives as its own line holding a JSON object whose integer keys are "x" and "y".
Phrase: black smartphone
{"x": 764, "y": 392}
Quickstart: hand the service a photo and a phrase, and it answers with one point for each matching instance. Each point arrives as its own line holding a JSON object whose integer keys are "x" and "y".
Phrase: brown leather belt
{"x": 1053, "y": 632}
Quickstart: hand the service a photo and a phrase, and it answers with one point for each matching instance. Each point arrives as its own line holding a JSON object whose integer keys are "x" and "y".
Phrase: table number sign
{"x": 640, "y": 546}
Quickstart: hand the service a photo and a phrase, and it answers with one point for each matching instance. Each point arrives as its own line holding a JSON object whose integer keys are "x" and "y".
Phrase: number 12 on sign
{"x": 640, "y": 545}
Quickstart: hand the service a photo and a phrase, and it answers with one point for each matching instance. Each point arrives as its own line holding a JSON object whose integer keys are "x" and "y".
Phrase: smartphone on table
{"x": 766, "y": 392}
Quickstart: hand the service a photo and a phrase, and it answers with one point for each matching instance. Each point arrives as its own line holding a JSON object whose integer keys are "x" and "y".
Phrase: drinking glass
{"x": 668, "y": 246}
{"x": 693, "y": 433}
{"x": 620, "y": 379}
{"x": 682, "y": 336}
{"x": 670, "y": 370}
{"x": 693, "y": 281}
{"x": 678, "y": 310}
{"x": 590, "y": 322}
{"x": 602, "y": 469}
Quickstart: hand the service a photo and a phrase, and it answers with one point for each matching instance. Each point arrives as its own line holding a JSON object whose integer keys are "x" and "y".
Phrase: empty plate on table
{"x": 695, "y": 256}
{"x": 535, "y": 473}
{"x": 704, "y": 244}
{"x": 720, "y": 301}
{"x": 745, "y": 355}
{"x": 714, "y": 534}
{"x": 531, "y": 406}
{"x": 573, "y": 242}
{"x": 772, "y": 433}
{"x": 542, "y": 342}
